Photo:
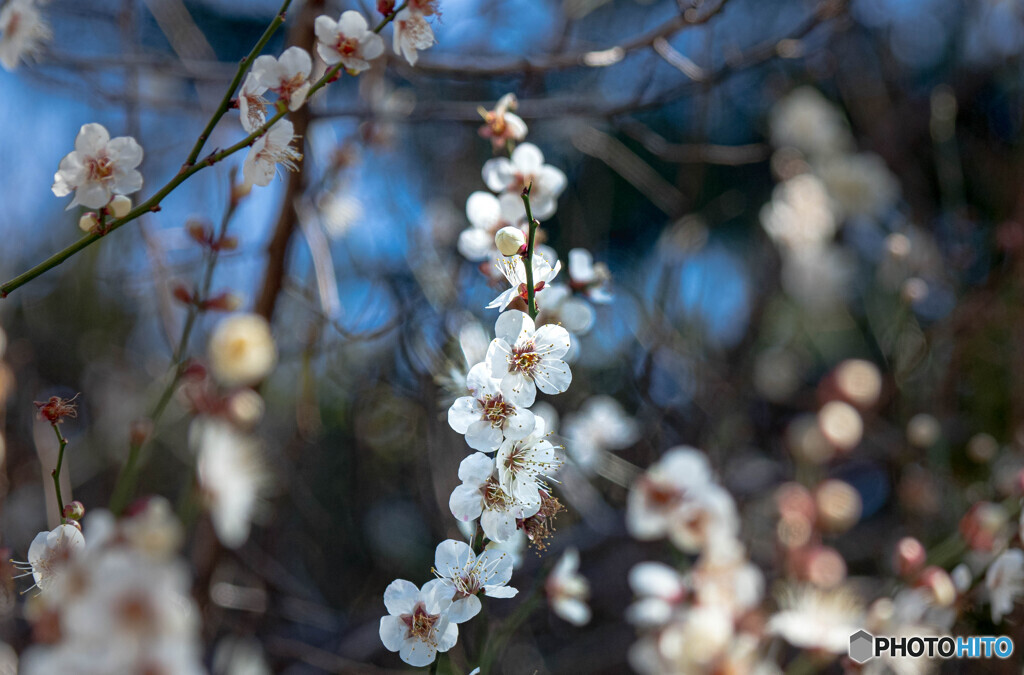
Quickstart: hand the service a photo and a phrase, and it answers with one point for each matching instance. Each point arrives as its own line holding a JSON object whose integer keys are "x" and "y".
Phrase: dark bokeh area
{"x": 812, "y": 217}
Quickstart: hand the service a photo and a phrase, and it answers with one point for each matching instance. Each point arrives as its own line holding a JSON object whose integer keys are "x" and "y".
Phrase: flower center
{"x": 420, "y": 623}
{"x": 523, "y": 359}
{"x": 496, "y": 409}
{"x": 661, "y": 495}
{"x": 100, "y": 168}
{"x": 494, "y": 496}
{"x": 347, "y": 46}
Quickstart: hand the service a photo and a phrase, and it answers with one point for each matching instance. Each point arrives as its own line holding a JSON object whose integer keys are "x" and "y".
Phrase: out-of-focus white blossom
{"x": 288, "y": 75}
{"x": 1005, "y": 582}
{"x": 50, "y": 554}
{"x": 653, "y": 507}
{"x": 810, "y": 618}
{"x": 568, "y": 590}
{"x": 809, "y": 122}
{"x": 99, "y": 168}
{"x": 799, "y": 217}
{"x": 485, "y": 416}
{"x": 563, "y": 307}
{"x": 660, "y": 591}
{"x": 589, "y": 278}
{"x": 501, "y": 125}
{"x": 242, "y": 350}
{"x": 412, "y": 35}
{"x": 514, "y": 270}
{"x": 348, "y": 41}
{"x": 526, "y": 167}
{"x": 120, "y": 610}
{"x": 468, "y": 574}
{"x": 22, "y": 32}
{"x": 481, "y": 496}
{"x": 232, "y": 476}
{"x": 269, "y": 150}
{"x": 599, "y": 426}
{"x": 418, "y": 625}
{"x": 527, "y": 359}
{"x": 860, "y": 185}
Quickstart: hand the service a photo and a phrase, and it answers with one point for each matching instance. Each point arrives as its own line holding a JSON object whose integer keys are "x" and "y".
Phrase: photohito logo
{"x": 864, "y": 646}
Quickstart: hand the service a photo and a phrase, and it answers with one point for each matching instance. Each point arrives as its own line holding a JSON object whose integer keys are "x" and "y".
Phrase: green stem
{"x": 56, "y": 472}
{"x": 187, "y": 170}
{"x": 531, "y": 293}
{"x": 129, "y": 472}
{"x": 225, "y": 103}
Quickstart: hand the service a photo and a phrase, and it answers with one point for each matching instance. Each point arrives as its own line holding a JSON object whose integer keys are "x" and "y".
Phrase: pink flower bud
{"x": 74, "y": 511}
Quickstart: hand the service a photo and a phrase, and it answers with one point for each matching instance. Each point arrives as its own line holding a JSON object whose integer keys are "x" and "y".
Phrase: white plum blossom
{"x": 501, "y": 125}
{"x": 412, "y": 35}
{"x": 231, "y": 474}
{"x": 588, "y": 278}
{"x": 859, "y": 184}
{"x": 481, "y": 496}
{"x": 121, "y": 611}
{"x": 418, "y": 624}
{"x": 242, "y": 350}
{"x": 724, "y": 577}
{"x": 22, "y": 32}
{"x": 514, "y": 270}
{"x": 468, "y": 574}
{"x": 252, "y": 106}
{"x": 272, "y": 148}
{"x": 485, "y": 416}
{"x": 809, "y": 122}
{"x": 487, "y": 214}
{"x": 50, "y": 554}
{"x": 526, "y": 167}
{"x": 99, "y": 168}
{"x": 348, "y": 41}
{"x": 527, "y": 359}
{"x": 568, "y": 590}
{"x": 660, "y": 591}
{"x": 523, "y": 464}
{"x": 563, "y": 307}
{"x": 287, "y": 76}
{"x": 1005, "y": 582}
{"x": 655, "y": 498}
{"x": 599, "y": 426}
{"x": 810, "y": 618}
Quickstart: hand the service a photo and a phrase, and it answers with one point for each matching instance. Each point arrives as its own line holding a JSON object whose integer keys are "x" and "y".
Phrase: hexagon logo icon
{"x": 862, "y": 646}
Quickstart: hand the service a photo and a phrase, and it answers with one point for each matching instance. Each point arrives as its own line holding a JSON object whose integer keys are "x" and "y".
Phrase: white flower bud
{"x": 242, "y": 350}
{"x": 119, "y": 206}
{"x": 87, "y": 222}
{"x": 509, "y": 240}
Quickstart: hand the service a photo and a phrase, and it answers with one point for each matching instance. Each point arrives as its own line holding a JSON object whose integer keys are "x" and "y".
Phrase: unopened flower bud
{"x": 385, "y": 7}
{"x": 74, "y": 511}
{"x": 75, "y": 524}
{"x": 227, "y": 244}
{"x": 841, "y": 424}
{"x": 509, "y": 240}
{"x": 223, "y": 302}
{"x": 119, "y": 206}
{"x": 910, "y": 557}
{"x": 88, "y": 222}
{"x": 140, "y": 432}
{"x": 240, "y": 191}
{"x": 984, "y": 525}
{"x": 859, "y": 381}
{"x": 938, "y": 581}
{"x": 182, "y": 294}
{"x": 200, "y": 232}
